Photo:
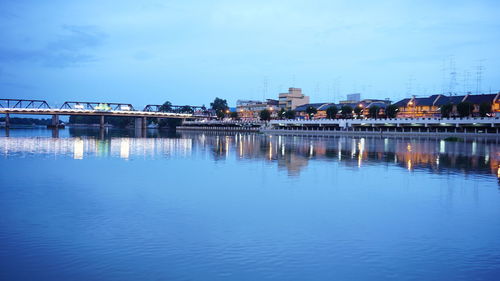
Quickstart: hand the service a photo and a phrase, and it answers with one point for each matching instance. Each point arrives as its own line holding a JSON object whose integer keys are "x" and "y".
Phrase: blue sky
{"x": 189, "y": 52}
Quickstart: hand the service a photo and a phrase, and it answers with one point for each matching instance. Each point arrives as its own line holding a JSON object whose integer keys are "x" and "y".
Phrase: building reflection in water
{"x": 291, "y": 153}
{"x": 294, "y": 152}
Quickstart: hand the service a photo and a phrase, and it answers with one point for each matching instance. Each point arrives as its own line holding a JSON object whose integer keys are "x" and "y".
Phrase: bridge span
{"x": 102, "y": 109}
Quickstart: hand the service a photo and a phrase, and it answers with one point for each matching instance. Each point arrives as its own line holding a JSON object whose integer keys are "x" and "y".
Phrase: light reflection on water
{"x": 91, "y": 205}
{"x": 291, "y": 152}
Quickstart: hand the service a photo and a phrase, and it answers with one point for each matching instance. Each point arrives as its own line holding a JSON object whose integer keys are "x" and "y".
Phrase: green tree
{"x": 290, "y": 114}
{"x": 374, "y": 111}
{"x": 346, "y": 111}
{"x": 265, "y": 115}
{"x": 391, "y": 111}
{"x": 331, "y": 112}
{"x": 281, "y": 113}
{"x": 310, "y": 110}
{"x": 484, "y": 109}
{"x": 464, "y": 109}
{"x": 220, "y": 107}
{"x": 446, "y": 110}
{"x": 169, "y": 123}
{"x": 220, "y": 114}
{"x": 166, "y": 107}
{"x": 357, "y": 110}
{"x": 186, "y": 109}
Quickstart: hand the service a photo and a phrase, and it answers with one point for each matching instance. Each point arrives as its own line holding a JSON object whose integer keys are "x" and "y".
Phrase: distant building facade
{"x": 301, "y": 111}
{"x": 431, "y": 106}
{"x": 354, "y": 97}
{"x": 250, "y": 109}
{"x": 292, "y": 99}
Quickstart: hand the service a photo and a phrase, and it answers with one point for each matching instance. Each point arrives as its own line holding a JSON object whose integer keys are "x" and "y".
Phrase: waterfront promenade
{"x": 480, "y": 126}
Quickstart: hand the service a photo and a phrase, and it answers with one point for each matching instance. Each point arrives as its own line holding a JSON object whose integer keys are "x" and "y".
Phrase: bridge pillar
{"x": 7, "y": 120}
{"x": 55, "y": 121}
{"x": 140, "y": 123}
{"x": 101, "y": 123}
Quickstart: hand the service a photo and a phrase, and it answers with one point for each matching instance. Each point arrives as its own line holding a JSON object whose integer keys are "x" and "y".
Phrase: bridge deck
{"x": 87, "y": 112}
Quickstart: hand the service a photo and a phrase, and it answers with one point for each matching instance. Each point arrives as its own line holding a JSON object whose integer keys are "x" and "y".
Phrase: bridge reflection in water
{"x": 291, "y": 153}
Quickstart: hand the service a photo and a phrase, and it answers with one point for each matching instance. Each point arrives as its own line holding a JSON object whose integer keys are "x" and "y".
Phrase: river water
{"x": 90, "y": 205}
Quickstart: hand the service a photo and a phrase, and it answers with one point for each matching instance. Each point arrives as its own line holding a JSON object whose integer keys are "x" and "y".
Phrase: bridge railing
{"x": 200, "y": 110}
{"x": 40, "y": 105}
{"x": 23, "y": 103}
{"x": 104, "y": 106}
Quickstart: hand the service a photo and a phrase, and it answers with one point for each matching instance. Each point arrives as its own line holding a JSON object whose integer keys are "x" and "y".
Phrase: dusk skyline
{"x": 192, "y": 51}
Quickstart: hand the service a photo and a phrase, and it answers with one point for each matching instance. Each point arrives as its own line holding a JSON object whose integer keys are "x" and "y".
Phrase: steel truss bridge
{"x": 102, "y": 109}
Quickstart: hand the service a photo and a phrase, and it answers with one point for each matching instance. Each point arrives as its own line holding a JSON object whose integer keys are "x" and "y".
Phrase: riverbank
{"x": 377, "y": 133}
{"x": 218, "y": 128}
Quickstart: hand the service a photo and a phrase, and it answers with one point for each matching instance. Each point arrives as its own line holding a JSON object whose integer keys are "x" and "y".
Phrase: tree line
{"x": 465, "y": 109}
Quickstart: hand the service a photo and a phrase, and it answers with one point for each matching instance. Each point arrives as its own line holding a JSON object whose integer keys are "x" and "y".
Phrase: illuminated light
{"x": 78, "y": 149}
{"x": 340, "y": 150}
{"x": 409, "y": 165}
{"x": 124, "y": 148}
{"x": 408, "y": 147}
{"x": 270, "y": 151}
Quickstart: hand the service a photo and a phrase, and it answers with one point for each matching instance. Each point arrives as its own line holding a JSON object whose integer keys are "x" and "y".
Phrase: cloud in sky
{"x": 69, "y": 49}
{"x": 192, "y": 51}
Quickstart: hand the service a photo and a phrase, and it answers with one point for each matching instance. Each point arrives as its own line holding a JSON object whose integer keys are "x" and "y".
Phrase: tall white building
{"x": 292, "y": 99}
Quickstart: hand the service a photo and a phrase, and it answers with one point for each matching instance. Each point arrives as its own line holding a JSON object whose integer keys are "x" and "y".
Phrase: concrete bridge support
{"x": 101, "y": 123}
{"x": 7, "y": 120}
{"x": 55, "y": 121}
{"x": 140, "y": 126}
{"x": 140, "y": 123}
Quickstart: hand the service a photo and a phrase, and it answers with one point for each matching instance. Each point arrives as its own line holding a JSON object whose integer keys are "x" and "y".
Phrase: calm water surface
{"x": 86, "y": 205}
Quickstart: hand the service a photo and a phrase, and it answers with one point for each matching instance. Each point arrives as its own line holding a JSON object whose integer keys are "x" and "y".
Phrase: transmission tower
{"x": 479, "y": 77}
{"x": 409, "y": 86}
{"x": 453, "y": 76}
{"x": 443, "y": 77}
{"x": 466, "y": 83}
{"x": 265, "y": 88}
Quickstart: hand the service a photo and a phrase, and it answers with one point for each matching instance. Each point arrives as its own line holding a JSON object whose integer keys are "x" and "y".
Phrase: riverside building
{"x": 292, "y": 99}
